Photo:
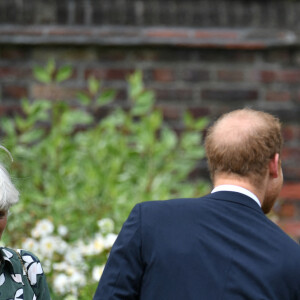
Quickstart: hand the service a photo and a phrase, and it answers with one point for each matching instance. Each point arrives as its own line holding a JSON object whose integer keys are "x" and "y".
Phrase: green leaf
{"x": 106, "y": 97}
{"x": 168, "y": 138}
{"x": 93, "y": 85}
{"x": 136, "y": 85}
{"x": 25, "y": 104}
{"x": 144, "y": 103}
{"x": 31, "y": 136}
{"x": 155, "y": 120}
{"x": 75, "y": 117}
{"x": 84, "y": 98}
{"x": 63, "y": 73}
{"x": 50, "y": 67}
{"x": 8, "y": 126}
{"x": 194, "y": 123}
{"x": 201, "y": 123}
{"x": 188, "y": 120}
{"x": 21, "y": 123}
{"x": 41, "y": 74}
{"x": 190, "y": 139}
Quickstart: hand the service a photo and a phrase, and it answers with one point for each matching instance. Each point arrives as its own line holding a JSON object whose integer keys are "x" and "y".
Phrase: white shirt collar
{"x": 235, "y": 188}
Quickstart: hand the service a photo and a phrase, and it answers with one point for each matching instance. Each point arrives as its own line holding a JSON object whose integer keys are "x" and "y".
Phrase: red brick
{"x": 112, "y": 55}
{"x": 276, "y": 55}
{"x": 298, "y": 96}
{"x": 10, "y": 109}
{"x": 278, "y": 96}
{"x": 289, "y": 153}
{"x": 227, "y": 75}
{"x": 14, "y": 91}
{"x": 289, "y": 76}
{"x": 291, "y": 132}
{"x": 287, "y": 210}
{"x": 292, "y": 228}
{"x": 118, "y": 74}
{"x": 163, "y": 75}
{"x": 174, "y": 94}
{"x": 53, "y": 92}
{"x": 167, "y": 33}
{"x": 170, "y": 112}
{"x": 97, "y": 73}
{"x": 13, "y": 53}
{"x": 15, "y": 72}
{"x": 268, "y": 76}
{"x": 205, "y": 34}
{"x": 230, "y": 95}
{"x": 290, "y": 191}
{"x": 145, "y": 55}
{"x": 291, "y": 171}
{"x": 245, "y": 45}
{"x": 109, "y": 74}
{"x": 189, "y": 75}
{"x": 198, "y": 112}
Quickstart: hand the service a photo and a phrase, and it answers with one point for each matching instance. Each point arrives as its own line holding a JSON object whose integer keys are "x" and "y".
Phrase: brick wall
{"x": 195, "y": 13}
{"x": 196, "y": 58}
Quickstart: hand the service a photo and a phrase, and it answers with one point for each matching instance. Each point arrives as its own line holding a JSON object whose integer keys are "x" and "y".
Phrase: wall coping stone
{"x": 247, "y": 38}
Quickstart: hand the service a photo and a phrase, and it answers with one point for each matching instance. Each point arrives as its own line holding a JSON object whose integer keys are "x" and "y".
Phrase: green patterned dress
{"x": 21, "y": 276}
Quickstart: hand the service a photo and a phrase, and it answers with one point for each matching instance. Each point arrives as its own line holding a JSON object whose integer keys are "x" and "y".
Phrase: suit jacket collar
{"x": 236, "y": 198}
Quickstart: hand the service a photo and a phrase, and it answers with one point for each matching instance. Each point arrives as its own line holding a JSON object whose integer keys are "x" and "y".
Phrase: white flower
{"x": 48, "y": 246}
{"x": 77, "y": 278}
{"x": 62, "y": 266}
{"x": 43, "y": 228}
{"x": 110, "y": 240}
{"x": 61, "y": 284}
{"x": 97, "y": 272}
{"x": 86, "y": 250}
{"x": 98, "y": 244}
{"x": 30, "y": 245}
{"x": 73, "y": 256}
{"x": 106, "y": 225}
{"x": 61, "y": 245}
{"x": 70, "y": 270}
{"x": 70, "y": 297}
{"x": 62, "y": 230}
{"x": 47, "y": 265}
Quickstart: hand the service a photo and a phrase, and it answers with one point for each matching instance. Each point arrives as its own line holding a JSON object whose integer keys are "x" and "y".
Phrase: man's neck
{"x": 241, "y": 182}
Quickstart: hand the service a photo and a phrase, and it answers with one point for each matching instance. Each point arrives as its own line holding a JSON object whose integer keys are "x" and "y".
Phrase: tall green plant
{"x": 128, "y": 156}
{"x": 75, "y": 169}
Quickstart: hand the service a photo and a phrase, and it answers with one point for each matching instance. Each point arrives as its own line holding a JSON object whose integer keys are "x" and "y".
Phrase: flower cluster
{"x": 66, "y": 263}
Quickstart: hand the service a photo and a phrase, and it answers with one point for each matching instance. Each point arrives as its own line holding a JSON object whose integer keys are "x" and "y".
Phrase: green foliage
{"x": 75, "y": 170}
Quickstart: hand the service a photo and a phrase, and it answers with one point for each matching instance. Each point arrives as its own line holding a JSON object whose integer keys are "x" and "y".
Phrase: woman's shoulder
{"x": 18, "y": 253}
{"x": 29, "y": 261}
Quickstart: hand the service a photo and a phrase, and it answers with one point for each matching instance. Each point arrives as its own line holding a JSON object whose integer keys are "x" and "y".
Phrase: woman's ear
{"x": 274, "y": 166}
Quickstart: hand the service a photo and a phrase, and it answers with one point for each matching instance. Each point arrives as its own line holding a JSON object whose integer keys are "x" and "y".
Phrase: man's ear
{"x": 274, "y": 166}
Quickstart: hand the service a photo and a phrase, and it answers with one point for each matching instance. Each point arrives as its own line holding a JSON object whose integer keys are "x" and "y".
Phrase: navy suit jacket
{"x": 218, "y": 247}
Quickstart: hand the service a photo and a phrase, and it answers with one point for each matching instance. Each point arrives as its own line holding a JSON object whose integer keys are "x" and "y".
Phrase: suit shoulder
{"x": 168, "y": 202}
{"x": 169, "y": 206}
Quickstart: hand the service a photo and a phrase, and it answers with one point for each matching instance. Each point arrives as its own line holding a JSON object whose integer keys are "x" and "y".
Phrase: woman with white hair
{"x": 21, "y": 273}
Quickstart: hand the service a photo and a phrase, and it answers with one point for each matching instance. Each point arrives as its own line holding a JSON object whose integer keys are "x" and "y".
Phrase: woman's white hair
{"x": 9, "y": 195}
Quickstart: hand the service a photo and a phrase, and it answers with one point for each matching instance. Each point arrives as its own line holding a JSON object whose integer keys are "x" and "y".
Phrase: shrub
{"x": 74, "y": 169}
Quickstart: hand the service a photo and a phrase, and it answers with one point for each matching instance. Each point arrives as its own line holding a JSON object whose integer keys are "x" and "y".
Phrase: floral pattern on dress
{"x": 33, "y": 267}
{"x": 14, "y": 284}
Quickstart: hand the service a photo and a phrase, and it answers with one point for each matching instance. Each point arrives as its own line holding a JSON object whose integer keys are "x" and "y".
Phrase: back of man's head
{"x": 242, "y": 142}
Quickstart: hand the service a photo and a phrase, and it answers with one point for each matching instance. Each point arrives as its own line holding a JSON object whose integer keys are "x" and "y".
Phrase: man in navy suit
{"x": 220, "y": 246}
